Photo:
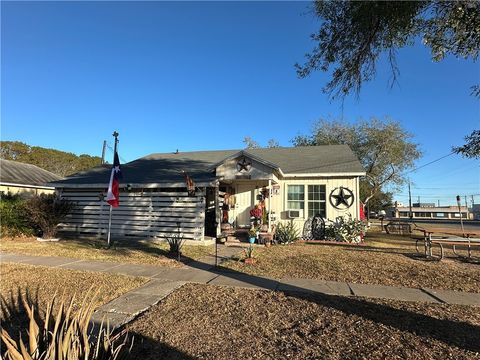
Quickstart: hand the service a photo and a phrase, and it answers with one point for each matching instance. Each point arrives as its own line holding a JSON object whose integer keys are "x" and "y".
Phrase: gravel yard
{"x": 208, "y": 322}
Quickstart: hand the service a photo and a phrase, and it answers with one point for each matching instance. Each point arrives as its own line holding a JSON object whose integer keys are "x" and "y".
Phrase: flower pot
{"x": 251, "y": 240}
{"x": 250, "y": 261}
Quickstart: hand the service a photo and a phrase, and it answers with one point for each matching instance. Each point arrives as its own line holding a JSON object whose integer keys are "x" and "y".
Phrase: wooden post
{"x": 269, "y": 204}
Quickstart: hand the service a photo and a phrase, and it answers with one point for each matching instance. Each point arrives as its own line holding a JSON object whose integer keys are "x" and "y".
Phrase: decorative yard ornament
{"x": 244, "y": 165}
{"x": 341, "y": 198}
{"x": 190, "y": 184}
{"x": 314, "y": 228}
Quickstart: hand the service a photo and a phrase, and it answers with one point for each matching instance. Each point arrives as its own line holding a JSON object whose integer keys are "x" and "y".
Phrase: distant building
{"x": 475, "y": 210}
{"x": 25, "y": 179}
{"x": 444, "y": 212}
{"x": 425, "y": 205}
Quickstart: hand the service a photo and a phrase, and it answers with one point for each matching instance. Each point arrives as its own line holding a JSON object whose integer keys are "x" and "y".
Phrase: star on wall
{"x": 344, "y": 197}
{"x": 244, "y": 165}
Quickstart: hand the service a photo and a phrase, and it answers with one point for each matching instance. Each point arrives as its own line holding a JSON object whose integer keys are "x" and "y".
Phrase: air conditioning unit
{"x": 294, "y": 214}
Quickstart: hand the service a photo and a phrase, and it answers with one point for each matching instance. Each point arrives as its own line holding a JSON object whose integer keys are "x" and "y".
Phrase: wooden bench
{"x": 448, "y": 239}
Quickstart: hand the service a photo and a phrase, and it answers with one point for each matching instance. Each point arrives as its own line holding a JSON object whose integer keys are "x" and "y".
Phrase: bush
{"x": 66, "y": 335}
{"x": 175, "y": 243}
{"x": 286, "y": 233}
{"x": 14, "y": 217}
{"x": 47, "y": 211}
{"x": 346, "y": 229}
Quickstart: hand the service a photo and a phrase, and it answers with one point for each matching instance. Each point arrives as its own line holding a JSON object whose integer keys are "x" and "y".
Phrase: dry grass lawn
{"x": 125, "y": 251}
{"x": 42, "y": 283}
{"x": 208, "y": 322}
{"x": 46, "y": 281}
{"x": 384, "y": 259}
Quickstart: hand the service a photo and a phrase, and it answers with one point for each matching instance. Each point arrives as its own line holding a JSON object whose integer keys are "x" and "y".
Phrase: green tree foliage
{"x": 472, "y": 147}
{"x": 56, "y": 161}
{"x": 383, "y": 147}
{"x": 354, "y": 34}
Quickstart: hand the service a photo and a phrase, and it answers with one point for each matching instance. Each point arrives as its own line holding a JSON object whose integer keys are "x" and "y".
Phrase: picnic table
{"x": 430, "y": 240}
{"x": 398, "y": 227}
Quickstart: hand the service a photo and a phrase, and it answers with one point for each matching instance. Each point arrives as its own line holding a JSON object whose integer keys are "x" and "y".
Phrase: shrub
{"x": 175, "y": 242}
{"x": 346, "y": 229}
{"x": 66, "y": 335}
{"x": 14, "y": 217}
{"x": 47, "y": 211}
{"x": 286, "y": 233}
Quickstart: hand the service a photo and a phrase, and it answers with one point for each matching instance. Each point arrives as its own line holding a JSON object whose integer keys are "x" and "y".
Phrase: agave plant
{"x": 67, "y": 335}
{"x": 287, "y": 233}
{"x": 249, "y": 252}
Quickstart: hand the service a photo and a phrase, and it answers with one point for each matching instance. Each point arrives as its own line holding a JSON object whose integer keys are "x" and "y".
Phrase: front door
{"x": 244, "y": 203}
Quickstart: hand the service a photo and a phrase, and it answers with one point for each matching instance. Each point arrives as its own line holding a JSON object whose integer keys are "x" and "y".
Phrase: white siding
{"x": 279, "y": 202}
{"x": 144, "y": 214}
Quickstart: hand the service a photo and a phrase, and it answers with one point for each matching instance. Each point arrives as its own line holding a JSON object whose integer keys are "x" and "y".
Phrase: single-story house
{"x": 293, "y": 184}
{"x": 25, "y": 179}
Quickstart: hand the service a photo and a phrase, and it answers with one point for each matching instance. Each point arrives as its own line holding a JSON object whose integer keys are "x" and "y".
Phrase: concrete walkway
{"x": 165, "y": 280}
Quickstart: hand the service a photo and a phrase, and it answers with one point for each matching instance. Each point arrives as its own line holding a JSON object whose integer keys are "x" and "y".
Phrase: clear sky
{"x": 202, "y": 75}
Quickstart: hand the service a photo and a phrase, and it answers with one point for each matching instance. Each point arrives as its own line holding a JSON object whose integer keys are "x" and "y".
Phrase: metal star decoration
{"x": 344, "y": 197}
{"x": 244, "y": 165}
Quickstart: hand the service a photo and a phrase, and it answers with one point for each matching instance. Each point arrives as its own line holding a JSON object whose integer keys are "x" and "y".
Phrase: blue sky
{"x": 202, "y": 75}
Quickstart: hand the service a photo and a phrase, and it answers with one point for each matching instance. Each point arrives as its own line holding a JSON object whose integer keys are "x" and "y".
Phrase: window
{"x": 316, "y": 201}
{"x": 295, "y": 197}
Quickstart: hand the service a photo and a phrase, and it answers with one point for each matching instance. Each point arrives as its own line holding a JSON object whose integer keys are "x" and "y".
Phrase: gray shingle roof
{"x": 167, "y": 167}
{"x": 15, "y": 172}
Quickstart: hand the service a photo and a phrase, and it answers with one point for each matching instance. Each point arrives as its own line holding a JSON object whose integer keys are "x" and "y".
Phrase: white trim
{"x": 28, "y": 186}
{"x": 247, "y": 154}
{"x": 344, "y": 174}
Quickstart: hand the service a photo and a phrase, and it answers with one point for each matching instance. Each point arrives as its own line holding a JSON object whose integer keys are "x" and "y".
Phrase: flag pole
{"x": 115, "y": 135}
{"x": 109, "y": 226}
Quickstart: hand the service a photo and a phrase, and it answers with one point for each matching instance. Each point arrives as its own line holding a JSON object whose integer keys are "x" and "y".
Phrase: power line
{"x": 112, "y": 150}
{"x": 429, "y": 163}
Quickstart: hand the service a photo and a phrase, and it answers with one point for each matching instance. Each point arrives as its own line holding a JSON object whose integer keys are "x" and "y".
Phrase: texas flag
{"x": 113, "y": 194}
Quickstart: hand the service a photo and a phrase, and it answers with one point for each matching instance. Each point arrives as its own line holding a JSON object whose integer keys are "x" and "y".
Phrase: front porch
{"x": 246, "y": 183}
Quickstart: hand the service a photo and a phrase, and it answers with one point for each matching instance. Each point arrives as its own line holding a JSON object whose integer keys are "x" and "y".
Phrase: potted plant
{"x": 249, "y": 259}
{"x": 252, "y": 235}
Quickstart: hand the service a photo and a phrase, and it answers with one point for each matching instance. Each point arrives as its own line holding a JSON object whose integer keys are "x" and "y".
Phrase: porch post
{"x": 269, "y": 202}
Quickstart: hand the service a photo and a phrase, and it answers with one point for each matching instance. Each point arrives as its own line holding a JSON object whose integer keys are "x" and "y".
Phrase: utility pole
{"x": 473, "y": 201}
{"x": 460, "y": 211}
{"x": 466, "y": 207}
{"x": 410, "y": 200}
{"x": 103, "y": 151}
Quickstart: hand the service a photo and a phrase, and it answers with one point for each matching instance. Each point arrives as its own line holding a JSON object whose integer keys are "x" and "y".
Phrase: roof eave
{"x": 332, "y": 174}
